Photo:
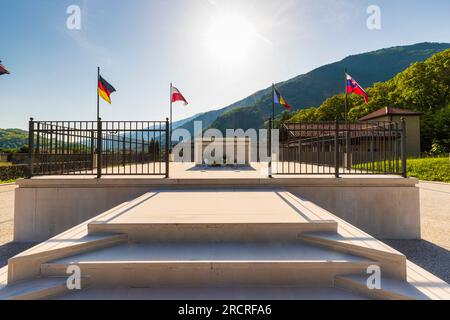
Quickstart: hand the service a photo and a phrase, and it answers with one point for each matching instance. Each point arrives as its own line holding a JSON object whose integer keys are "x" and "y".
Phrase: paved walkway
{"x": 435, "y": 204}
{"x": 433, "y": 251}
{"x": 6, "y": 213}
{"x": 8, "y": 249}
{"x": 217, "y": 207}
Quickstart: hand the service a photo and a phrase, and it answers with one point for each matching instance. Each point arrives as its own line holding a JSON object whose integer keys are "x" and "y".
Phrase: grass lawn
{"x": 7, "y": 181}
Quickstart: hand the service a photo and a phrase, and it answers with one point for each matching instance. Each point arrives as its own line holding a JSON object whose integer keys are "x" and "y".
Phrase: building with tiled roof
{"x": 412, "y": 120}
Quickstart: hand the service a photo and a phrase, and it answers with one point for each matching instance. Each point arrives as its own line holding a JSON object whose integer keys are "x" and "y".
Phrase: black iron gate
{"x": 334, "y": 148}
{"x": 99, "y": 148}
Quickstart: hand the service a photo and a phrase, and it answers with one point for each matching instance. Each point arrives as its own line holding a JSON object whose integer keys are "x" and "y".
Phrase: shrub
{"x": 427, "y": 169}
{"x": 11, "y": 173}
{"x": 430, "y": 169}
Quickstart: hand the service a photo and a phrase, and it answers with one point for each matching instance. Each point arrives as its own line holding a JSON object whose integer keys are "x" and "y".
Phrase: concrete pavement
{"x": 6, "y": 213}
{"x": 433, "y": 251}
{"x": 8, "y": 249}
{"x": 435, "y": 205}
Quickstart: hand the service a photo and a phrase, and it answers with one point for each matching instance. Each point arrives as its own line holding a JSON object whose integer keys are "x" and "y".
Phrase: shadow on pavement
{"x": 11, "y": 249}
{"x": 425, "y": 254}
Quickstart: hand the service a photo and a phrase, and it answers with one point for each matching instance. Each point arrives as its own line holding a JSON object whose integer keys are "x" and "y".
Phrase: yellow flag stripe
{"x": 105, "y": 97}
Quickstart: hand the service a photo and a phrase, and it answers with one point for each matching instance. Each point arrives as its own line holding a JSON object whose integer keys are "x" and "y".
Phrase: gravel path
{"x": 431, "y": 253}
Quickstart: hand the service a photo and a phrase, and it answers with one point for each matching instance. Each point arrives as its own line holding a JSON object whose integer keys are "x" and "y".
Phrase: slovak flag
{"x": 177, "y": 96}
{"x": 354, "y": 87}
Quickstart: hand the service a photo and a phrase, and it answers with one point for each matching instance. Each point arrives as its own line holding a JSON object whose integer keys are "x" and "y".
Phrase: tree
{"x": 305, "y": 115}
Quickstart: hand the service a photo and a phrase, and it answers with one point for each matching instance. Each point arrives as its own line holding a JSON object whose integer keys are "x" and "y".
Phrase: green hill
{"x": 11, "y": 139}
{"x": 423, "y": 87}
{"x": 313, "y": 88}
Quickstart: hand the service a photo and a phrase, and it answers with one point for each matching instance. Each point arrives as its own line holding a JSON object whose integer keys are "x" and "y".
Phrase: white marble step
{"x": 214, "y": 215}
{"x": 211, "y": 294}
{"x": 351, "y": 240}
{"x": 41, "y": 288}
{"x": 212, "y": 232}
{"x": 392, "y": 289}
{"x": 27, "y": 264}
{"x": 220, "y": 264}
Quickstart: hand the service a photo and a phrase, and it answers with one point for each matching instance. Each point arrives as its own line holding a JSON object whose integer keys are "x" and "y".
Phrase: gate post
{"x": 336, "y": 149}
{"x": 269, "y": 144}
{"x": 99, "y": 148}
{"x": 31, "y": 148}
{"x": 167, "y": 153}
{"x": 403, "y": 148}
{"x": 93, "y": 149}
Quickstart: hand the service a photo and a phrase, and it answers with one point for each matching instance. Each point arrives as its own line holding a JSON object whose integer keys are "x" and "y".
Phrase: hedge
{"x": 430, "y": 169}
{"x": 426, "y": 169}
{"x": 9, "y": 173}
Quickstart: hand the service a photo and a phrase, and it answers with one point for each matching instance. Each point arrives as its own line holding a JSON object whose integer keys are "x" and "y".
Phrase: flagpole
{"x": 346, "y": 97}
{"x": 171, "y": 117}
{"x": 273, "y": 106}
{"x": 98, "y": 97}
{"x": 347, "y": 126}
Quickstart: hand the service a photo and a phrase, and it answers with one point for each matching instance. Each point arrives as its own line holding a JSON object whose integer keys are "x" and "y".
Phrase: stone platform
{"x": 217, "y": 244}
{"x": 386, "y": 207}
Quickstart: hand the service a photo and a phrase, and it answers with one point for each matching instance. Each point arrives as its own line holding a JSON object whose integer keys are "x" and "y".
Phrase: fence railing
{"x": 342, "y": 148}
{"x": 99, "y": 148}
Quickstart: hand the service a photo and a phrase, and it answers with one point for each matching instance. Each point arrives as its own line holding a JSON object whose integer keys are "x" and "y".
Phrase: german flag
{"x": 105, "y": 89}
{"x": 3, "y": 69}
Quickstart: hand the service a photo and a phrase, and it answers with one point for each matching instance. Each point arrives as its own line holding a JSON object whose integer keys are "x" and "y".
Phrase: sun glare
{"x": 230, "y": 40}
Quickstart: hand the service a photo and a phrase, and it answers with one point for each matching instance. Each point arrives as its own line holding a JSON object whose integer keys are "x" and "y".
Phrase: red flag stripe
{"x": 177, "y": 96}
{"x": 3, "y": 70}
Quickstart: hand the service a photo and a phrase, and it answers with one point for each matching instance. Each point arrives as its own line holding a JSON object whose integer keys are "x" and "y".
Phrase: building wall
{"x": 413, "y": 147}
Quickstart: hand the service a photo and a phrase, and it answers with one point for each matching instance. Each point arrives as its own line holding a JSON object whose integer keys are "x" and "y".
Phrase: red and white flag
{"x": 177, "y": 96}
{"x": 354, "y": 87}
{"x": 3, "y": 69}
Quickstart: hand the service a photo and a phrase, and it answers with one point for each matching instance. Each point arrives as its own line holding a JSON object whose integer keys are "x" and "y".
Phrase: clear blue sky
{"x": 215, "y": 51}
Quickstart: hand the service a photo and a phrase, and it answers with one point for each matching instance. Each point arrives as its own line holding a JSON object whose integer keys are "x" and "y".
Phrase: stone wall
{"x": 385, "y": 207}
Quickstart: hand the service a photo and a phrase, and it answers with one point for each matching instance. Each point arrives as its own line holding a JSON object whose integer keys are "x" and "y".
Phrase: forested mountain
{"x": 423, "y": 87}
{"x": 13, "y": 139}
{"x": 313, "y": 88}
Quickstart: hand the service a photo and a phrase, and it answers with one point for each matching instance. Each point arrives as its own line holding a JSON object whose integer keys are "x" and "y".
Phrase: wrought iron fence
{"x": 341, "y": 148}
{"x": 99, "y": 148}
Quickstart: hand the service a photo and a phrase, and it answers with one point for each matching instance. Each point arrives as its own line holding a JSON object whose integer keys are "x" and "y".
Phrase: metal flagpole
{"x": 98, "y": 97}
{"x": 347, "y": 127}
{"x": 99, "y": 133}
{"x": 273, "y": 106}
{"x": 346, "y": 97}
{"x": 171, "y": 117}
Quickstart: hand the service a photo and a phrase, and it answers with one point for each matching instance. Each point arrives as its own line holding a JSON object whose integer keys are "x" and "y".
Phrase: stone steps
{"x": 212, "y": 265}
{"x": 216, "y": 244}
{"x": 27, "y": 264}
{"x": 213, "y": 216}
{"x": 360, "y": 244}
{"x": 212, "y": 232}
{"x": 37, "y": 289}
{"x": 391, "y": 289}
{"x": 197, "y": 293}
